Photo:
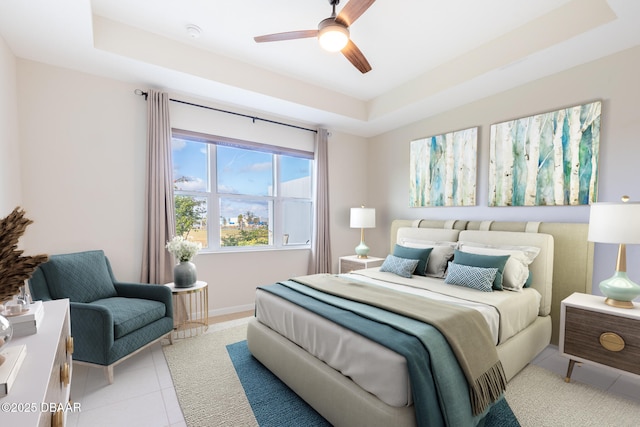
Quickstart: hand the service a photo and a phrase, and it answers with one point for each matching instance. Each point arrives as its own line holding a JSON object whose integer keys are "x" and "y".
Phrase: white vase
{"x": 185, "y": 274}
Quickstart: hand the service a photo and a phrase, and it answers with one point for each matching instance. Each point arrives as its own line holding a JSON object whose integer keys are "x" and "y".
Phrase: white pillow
{"x": 516, "y": 270}
{"x": 441, "y": 254}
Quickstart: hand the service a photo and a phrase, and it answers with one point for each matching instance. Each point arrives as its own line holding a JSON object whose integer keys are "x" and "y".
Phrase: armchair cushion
{"x": 81, "y": 277}
{"x": 131, "y": 314}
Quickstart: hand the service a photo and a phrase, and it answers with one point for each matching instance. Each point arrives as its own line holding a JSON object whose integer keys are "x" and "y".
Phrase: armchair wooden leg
{"x": 109, "y": 373}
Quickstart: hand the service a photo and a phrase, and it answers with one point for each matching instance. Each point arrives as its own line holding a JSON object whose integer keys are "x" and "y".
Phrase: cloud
{"x": 191, "y": 184}
{"x": 232, "y": 207}
{"x": 258, "y": 167}
{"x": 222, "y": 188}
{"x": 178, "y": 144}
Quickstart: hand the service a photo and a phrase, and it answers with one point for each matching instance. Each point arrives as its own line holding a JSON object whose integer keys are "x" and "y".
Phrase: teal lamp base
{"x": 362, "y": 250}
{"x": 619, "y": 290}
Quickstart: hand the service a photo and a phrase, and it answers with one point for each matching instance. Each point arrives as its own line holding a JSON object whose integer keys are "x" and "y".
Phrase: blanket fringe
{"x": 487, "y": 388}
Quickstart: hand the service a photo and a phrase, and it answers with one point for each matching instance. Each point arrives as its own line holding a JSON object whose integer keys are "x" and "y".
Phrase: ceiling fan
{"x": 333, "y": 33}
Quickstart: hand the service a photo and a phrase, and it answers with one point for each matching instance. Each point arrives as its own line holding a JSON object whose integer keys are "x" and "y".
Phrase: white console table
{"x": 40, "y": 394}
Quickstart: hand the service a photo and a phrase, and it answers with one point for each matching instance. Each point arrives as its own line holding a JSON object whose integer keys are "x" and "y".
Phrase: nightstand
{"x": 349, "y": 263}
{"x": 593, "y": 332}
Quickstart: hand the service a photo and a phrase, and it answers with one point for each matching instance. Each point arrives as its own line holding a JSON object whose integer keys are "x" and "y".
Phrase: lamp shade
{"x": 615, "y": 223}
{"x": 363, "y": 218}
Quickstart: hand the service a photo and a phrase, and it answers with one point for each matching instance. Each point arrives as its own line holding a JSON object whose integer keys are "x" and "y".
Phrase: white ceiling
{"x": 428, "y": 56}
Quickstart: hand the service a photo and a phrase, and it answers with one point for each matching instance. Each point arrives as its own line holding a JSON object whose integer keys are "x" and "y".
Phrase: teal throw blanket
{"x": 440, "y": 390}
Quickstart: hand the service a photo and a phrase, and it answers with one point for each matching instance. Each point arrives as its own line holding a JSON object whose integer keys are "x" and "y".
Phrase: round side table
{"x": 190, "y": 309}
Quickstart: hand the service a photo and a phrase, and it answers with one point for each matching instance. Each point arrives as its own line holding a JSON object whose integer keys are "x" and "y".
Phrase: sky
{"x": 239, "y": 172}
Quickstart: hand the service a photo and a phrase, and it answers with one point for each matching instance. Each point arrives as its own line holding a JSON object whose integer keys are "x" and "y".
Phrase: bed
{"x": 330, "y": 366}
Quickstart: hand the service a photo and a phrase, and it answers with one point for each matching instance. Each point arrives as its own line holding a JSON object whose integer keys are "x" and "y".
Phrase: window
{"x": 237, "y": 194}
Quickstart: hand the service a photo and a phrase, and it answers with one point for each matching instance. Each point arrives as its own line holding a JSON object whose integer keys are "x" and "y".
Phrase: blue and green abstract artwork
{"x": 549, "y": 159}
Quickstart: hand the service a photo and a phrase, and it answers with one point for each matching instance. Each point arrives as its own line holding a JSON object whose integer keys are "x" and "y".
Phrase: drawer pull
{"x": 69, "y": 346}
{"x": 611, "y": 341}
{"x": 65, "y": 374}
{"x": 57, "y": 419}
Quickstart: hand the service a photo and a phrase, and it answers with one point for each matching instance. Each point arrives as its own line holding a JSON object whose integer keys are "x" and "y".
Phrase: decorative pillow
{"x": 527, "y": 284}
{"x": 516, "y": 270}
{"x": 441, "y": 254}
{"x": 421, "y": 254}
{"x": 401, "y": 266}
{"x": 471, "y": 277}
{"x": 484, "y": 261}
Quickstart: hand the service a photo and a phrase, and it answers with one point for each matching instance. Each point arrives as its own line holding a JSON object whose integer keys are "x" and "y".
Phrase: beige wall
{"x": 83, "y": 168}
{"x": 10, "y": 184}
{"x": 82, "y": 142}
{"x": 613, "y": 80}
{"x": 78, "y": 168}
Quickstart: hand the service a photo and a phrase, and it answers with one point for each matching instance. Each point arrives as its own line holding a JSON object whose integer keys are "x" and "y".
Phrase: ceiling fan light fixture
{"x": 332, "y": 36}
{"x": 332, "y": 33}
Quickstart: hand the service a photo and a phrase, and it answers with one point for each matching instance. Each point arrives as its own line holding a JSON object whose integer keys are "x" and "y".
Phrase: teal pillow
{"x": 527, "y": 283}
{"x": 421, "y": 254}
{"x": 484, "y": 261}
{"x": 471, "y": 277}
{"x": 401, "y": 266}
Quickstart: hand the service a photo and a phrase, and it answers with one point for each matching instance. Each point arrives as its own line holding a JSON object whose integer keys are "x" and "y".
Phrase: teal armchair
{"x": 110, "y": 320}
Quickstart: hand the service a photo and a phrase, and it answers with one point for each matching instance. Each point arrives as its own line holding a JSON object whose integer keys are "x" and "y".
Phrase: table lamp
{"x": 362, "y": 218}
{"x": 617, "y": 223}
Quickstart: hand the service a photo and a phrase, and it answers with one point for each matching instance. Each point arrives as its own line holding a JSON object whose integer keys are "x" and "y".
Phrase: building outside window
{"x": 232, "y": 194}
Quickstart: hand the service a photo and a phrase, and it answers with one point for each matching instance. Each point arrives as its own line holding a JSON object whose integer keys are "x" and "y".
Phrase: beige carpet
{"x": 205, "y": 380}
{"x": 541, "y": 398}
{"x": 210, "y": 393}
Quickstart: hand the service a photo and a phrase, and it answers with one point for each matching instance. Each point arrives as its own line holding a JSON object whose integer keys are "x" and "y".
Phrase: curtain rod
{"x": 254, "y": 118}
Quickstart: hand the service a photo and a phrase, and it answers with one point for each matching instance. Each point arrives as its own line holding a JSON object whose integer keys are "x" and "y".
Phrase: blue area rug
{"x": 275, "y": 404}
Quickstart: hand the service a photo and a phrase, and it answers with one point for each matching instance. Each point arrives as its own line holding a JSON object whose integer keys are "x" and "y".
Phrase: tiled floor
{"x": 143, "y": 395}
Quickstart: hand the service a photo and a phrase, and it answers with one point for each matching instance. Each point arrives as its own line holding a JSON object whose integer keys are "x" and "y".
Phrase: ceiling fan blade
{"x": 352, "y": 11}
{"x": 290, "y": 35}
{"x": 355, "y": 56}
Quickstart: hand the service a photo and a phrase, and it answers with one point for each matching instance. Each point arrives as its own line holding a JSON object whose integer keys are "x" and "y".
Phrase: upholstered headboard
{"x": 572, "y": 253}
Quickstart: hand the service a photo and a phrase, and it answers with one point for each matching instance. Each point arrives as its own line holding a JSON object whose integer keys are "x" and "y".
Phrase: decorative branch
{"x": 15, "y": 268}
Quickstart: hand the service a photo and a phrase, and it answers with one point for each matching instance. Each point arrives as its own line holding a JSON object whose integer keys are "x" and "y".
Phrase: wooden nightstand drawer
{"x": 604, "y": 338}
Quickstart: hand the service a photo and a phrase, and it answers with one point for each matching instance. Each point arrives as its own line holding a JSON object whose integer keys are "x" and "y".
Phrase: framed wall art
{"x": 443, "y": 169}
{"x": 549, "y": 159}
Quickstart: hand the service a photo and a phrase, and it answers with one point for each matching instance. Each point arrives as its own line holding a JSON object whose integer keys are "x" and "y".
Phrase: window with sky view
{"x": 239, "y": 196}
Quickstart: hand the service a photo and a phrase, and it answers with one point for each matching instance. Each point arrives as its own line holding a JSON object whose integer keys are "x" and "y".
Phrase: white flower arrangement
{"x": 182, "y": 248}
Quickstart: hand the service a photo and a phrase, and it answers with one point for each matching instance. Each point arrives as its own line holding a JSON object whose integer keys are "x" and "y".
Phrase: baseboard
{"x": 231, "y": 310}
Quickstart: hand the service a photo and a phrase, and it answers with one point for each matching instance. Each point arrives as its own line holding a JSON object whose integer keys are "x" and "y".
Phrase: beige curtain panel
{"x": 321, "y": 243}
{"x": 157, "y": 262}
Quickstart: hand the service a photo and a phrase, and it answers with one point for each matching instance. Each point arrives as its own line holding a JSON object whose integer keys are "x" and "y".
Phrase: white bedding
{"x": 372, "y": 366}
{"x": 517, "y": 310}
{"x": 490, "y": 314}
